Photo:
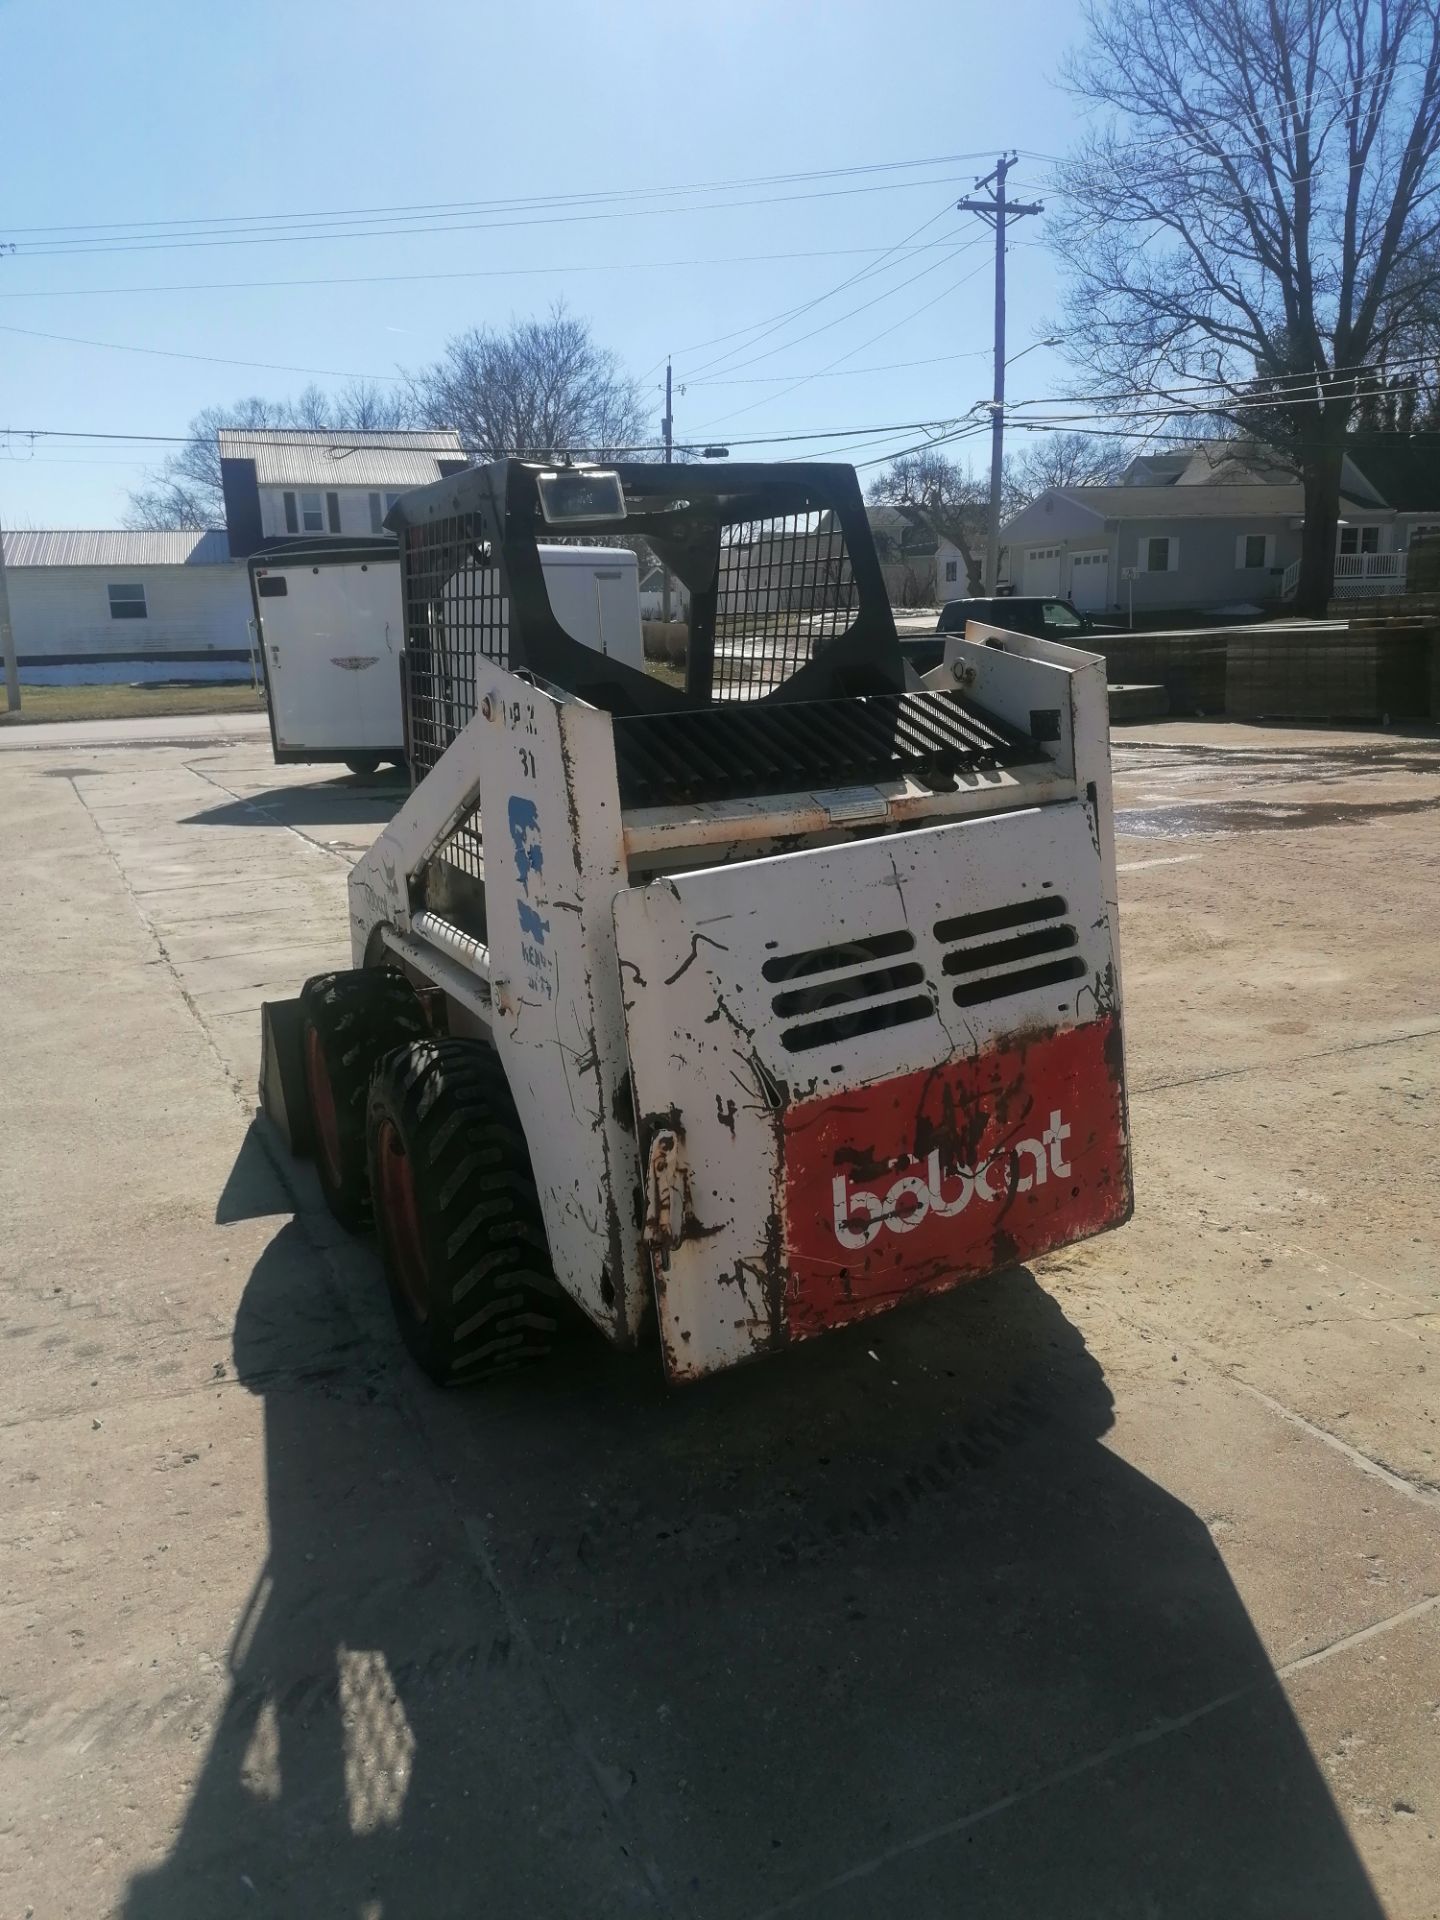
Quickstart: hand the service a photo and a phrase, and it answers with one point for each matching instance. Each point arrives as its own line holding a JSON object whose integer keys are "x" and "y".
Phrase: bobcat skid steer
{"x": 744, "y": 1003}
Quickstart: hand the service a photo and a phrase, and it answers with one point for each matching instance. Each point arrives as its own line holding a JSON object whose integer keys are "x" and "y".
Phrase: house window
{"x": 380, "y": 505}
{"x": 1359, "y": 539}
{"x": 950, "y": 572}
{"x": 312, "y": 513}
{"x": 1254, "y": 551}
{"x": 1161, "y": 554}
{"x": 127, "y": 603}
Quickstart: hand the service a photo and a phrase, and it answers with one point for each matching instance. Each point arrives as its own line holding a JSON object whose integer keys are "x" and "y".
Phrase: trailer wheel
{"x": 363, "y": 763}
{"x": 458, "y": 1214}
{"x": 349, "y": 1022}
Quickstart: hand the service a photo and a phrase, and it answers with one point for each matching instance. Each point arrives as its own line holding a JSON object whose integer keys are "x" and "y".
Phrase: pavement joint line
{"x": 1169, "y": 860}
{"x": 148, "y": 924}
{"x": 210, "y": 741}
{"x": 1422, "y": 1494}
{"x": 1117, "y": 1750}
{"x": 515, "y": 1621}
{"x": 1348, "y": 1640}
{"x": 1279, "y": 1066}
{"x": 256, "y": 806}
{"x": 475, "y": 1538}
{"x": 1418, "y": 1491}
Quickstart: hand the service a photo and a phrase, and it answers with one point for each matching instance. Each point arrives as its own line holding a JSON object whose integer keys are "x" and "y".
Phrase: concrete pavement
{"x": 1109, "y": 1589}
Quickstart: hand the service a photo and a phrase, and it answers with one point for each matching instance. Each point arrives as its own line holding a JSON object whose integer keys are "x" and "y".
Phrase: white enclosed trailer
{"x": 331, "y": 628}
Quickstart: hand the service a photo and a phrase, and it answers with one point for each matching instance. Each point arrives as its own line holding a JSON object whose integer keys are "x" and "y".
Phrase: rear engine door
{"x": 870, "y": 1070}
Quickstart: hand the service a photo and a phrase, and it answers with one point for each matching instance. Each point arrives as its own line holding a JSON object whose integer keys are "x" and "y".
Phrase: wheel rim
{"x": 322, "y": 1106}
{"x": 400, "y": 1218}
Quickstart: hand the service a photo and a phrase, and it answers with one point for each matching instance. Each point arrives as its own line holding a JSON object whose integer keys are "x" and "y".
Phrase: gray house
{"x": 1215, "y": 526}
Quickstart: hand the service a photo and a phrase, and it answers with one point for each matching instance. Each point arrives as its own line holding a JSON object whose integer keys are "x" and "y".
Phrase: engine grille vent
{"x": 836, "y": 993}
{"x": 1003, "y": 951}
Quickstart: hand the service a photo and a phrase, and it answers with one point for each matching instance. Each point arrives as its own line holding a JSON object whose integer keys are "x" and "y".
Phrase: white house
{"x": 111, "y": 606}
{"x": 299, "y": 482}
{"x": 652, "y": 596}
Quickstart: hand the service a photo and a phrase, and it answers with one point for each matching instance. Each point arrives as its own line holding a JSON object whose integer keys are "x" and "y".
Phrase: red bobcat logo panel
{"x": 948, "y": 1173}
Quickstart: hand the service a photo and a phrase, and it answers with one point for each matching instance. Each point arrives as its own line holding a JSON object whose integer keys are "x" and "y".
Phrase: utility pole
{"x": 7, "y": 638}
{"x": 997, "y": 210}
{"x": 669, "y": 429}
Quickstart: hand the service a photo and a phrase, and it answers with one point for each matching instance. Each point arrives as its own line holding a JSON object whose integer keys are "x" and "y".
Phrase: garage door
{"x": 1042, "y": 570}
{"x": 1088, "y": 574}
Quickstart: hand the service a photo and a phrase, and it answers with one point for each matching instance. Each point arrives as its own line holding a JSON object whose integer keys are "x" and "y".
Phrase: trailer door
{"x": 331, "y": 634}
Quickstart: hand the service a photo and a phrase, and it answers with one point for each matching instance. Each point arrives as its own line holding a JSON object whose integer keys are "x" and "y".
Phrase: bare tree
{"x": 542, "y": 388}
{"x": 186, "y": 490}
{"x": 1260, "y": 212}
{"x": 1060, "y": 460}
{"x": 951, "y": 504}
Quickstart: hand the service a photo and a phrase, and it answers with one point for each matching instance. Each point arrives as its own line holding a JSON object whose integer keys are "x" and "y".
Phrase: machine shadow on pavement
{"x": 879, "y": 1627}
{"x": 370, "y": 800}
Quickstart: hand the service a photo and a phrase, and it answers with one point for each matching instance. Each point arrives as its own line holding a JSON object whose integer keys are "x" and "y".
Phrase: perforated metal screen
{"x": 785, "y": 587}
{"x": 455, "y": 614}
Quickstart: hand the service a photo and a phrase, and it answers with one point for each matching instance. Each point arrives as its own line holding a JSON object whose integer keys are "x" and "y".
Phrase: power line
{"x": 210, "y": 359}
{"x": 850, "y": 373}
{"x": 28, "y": 251}
{"x": 840, "y": 318}
{"x": 475, "y": 273}
{"x": 506, "y": 204}
{"x": 804, "y": 379}
{"x": 760, "y": 328}
{"x": 336, "y": 441}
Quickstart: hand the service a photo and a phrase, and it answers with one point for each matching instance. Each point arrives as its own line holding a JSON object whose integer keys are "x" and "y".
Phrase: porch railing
{"x": 1363, "y": 576}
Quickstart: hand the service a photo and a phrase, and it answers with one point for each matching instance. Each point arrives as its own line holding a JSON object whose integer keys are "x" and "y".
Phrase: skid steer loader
{"x": 743, "y": 1007}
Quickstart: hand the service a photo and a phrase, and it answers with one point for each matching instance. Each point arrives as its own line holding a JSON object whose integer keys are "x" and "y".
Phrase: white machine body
{"x": 784, "y": 1060}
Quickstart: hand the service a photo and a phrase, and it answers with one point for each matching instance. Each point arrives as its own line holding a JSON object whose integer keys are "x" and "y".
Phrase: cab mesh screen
{"x": 455, "y": 614}
{"x": 784, "y": 589}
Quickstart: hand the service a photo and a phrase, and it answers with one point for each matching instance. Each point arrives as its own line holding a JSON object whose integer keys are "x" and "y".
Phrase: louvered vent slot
{"x": 855, "y": 987}
{"x": 985, "y": 948}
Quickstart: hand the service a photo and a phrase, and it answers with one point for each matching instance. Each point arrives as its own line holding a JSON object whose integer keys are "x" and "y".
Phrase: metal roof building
{"x": 116, "y": 548}
{"x": 107, "y": 604}
{"x": 284, "y": 482}
{"x": 306, "y": 457}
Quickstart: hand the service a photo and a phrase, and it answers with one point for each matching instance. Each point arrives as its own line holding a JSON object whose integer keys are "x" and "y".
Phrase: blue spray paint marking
{"x": 531, "y": 924}
{"x": 525, "y": 833}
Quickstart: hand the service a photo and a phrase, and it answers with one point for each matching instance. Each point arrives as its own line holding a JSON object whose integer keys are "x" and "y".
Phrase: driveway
{"x": 1111, "y": 1588}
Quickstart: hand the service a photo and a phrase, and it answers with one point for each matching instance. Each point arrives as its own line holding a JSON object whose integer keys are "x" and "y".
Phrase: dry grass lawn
{"x": 39, "y": 704}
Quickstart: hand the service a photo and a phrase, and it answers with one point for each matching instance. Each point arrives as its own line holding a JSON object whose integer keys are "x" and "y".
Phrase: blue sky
{"x": 168, "y": 112}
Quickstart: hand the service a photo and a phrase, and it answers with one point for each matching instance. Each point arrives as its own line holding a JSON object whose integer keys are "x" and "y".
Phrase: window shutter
{"x": 1174, "y": 555}
{"x": 1240, "y": 540}
{"x": 377, "y": 519}
{"x": 332, "y": 511}
{"x": 292, "y": 519}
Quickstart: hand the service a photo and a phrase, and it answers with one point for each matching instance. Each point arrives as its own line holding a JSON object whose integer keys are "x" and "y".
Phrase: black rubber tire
{"x": 481, "y": 1299}
{"x": 355, "y": 1019}
{"x": 364, "y": 764}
